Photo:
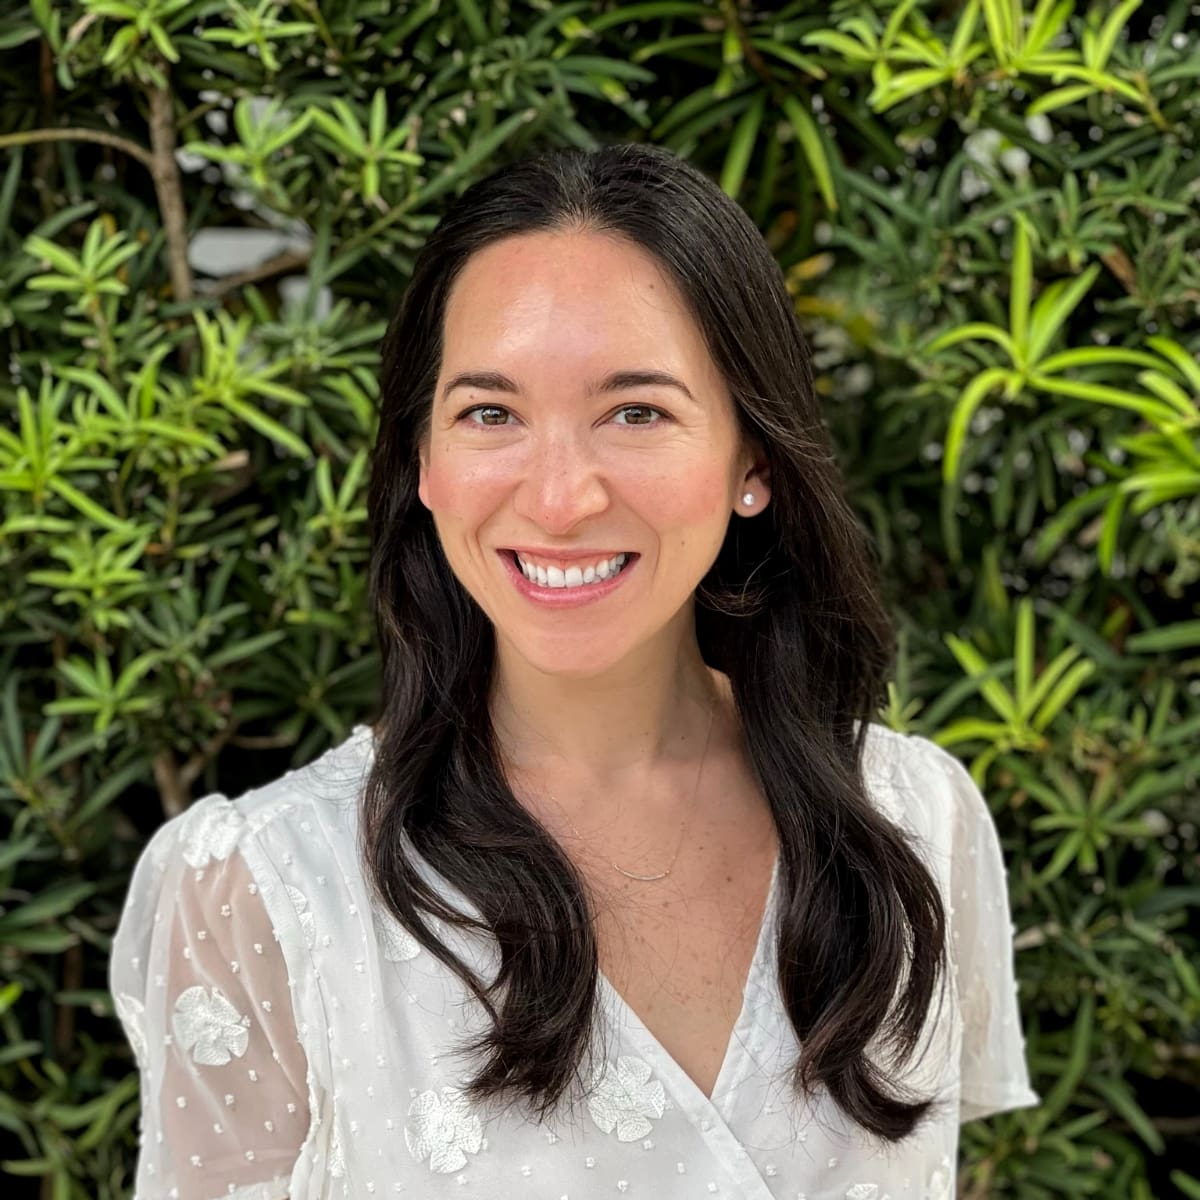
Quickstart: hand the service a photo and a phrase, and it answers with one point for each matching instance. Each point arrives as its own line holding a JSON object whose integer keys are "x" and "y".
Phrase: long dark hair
{"x": 790, "y": 611}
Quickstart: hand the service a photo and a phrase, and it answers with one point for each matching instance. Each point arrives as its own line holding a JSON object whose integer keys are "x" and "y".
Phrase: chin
{"x": 569, "y": 656}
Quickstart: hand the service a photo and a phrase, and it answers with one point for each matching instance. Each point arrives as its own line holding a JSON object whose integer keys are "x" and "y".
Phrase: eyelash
{"x": 626, "y": 408}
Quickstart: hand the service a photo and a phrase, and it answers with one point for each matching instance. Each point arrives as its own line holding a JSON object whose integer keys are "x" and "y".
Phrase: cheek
{"x": 691, "y": 498}
{"x": 460, "y": 489}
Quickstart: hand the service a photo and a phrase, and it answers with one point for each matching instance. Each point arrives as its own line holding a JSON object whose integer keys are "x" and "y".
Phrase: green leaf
{"x": 1053, "y": 307}
{"x": 1023, "y": 652}
{"x": 683, "y": 41}
{"x": 54, "y": 254}
{"x": 39, "y": 941}
{"x": 964, "y": 30}
{"x": 960, "y": 419}
{"x": 165, "y": 46}
{"x": 477, "y": 152}
{"x": 992, "y": 690}
{"x": 1110, "y": 31}
{"x": 1001, "y": 29}
{"x": 1050, "y": 675}
{"x": 1060, "y": 98}
{"x": 847, "y": 47}
{"x": 906, "y": 84}
{"x": 974, "y": 329}
{"x": 58, "y": 899}
{"x": 1095, "y": 356}
{"x": 257, "y": 419}
{"x": 377, "y": 122}
{"x": 1187, "y": 364}
{"x": 1169, "y": 639}
{"x": 810, "y": 141}
{"x": 741, "y": 146}
{"x": 1120, "y": 1099}
{"x": 1048, "y": 19}
{"x": 84, "y": 504}
{"x": 1022, "y": 282}
{"x": 1062, "y": 693}
{"x": 802, "y": 62}
{"x": 247, "y": 648}
{"x": 13, "y": 852}
{"x": 1152, "y": 410}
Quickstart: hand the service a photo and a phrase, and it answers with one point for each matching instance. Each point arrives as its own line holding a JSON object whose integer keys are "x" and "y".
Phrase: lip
{"x": 565, "y": 597}
{"x": 566, "y": 555}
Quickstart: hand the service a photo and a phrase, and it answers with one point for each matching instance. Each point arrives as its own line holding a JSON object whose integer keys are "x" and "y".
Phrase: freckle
{"x": 728, "y": 878}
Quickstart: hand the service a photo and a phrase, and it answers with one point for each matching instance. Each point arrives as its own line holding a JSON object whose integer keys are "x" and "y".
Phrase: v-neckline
{"x": 665, "y": 1063}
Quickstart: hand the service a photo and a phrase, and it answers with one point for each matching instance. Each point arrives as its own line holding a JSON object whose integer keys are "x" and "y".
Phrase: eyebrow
{"x": 615, "y": 381}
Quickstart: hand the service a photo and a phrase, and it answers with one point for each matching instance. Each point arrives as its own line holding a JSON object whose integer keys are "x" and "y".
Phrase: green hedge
{"x": 988, "y": 218}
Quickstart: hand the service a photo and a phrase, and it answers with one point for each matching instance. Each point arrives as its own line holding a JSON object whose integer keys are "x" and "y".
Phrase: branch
{"x": 171, "y": 792}
{"x": 31, "y": 136}
{"x": 175, "y": 780}
{"x": 165, "y": 170}
{"x": 194, "y": 767}
{"x": 749, "y": 50}
{"x": 45, "y": 161}
{"x": 160, "y": 161}
{"x": 289, "y": 260}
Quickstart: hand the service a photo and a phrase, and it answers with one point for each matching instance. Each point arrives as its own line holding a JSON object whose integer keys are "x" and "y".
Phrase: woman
{"x": 623, "y": 892}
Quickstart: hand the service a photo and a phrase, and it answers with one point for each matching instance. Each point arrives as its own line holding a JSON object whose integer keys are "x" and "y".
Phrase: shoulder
{"x": 321, "y": 795}
{"x": 897, "y": 769}
{"x": 330, "y": 785}
{"x": 924, "y": 788}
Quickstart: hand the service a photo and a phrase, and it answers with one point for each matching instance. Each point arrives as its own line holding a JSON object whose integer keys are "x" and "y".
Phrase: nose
{"x": 561, "y": 485}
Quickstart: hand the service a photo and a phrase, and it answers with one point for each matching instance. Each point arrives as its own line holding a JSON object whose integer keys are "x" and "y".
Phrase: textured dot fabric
{"x": 294, "y": 1040}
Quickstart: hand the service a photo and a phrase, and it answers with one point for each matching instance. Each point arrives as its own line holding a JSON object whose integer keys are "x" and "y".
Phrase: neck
{"x": 642, "y": 724}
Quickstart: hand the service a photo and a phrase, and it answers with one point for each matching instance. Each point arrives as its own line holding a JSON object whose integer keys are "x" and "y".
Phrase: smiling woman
{"x": 624, "y": 891}
{"x": 568, "y": 327}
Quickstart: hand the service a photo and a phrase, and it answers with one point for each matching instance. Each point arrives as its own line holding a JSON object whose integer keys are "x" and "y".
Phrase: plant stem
{"x": 32, "y": 136}
{"x": 165, "y": 170}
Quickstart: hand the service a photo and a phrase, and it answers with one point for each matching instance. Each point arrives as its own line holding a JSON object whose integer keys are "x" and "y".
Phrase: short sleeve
{"x": 993, "y": 1070}
{"x": 201, "y": 987}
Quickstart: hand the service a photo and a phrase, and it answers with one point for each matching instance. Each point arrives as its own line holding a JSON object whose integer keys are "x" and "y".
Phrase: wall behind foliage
{"x": 988, "y": 217}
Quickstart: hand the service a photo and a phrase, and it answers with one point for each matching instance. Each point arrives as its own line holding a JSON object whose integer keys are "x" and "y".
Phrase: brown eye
{"x": 645, "y": 409}
{"x": 485, "y": 408}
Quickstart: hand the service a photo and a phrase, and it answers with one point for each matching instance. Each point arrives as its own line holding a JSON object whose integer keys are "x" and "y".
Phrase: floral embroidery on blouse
{"x": 624, "y": 1098}
{"x": 398, "y": 944}
{"x": 210, "y": 1027}
{"x": 132, "y": 1013}
{"x": 938, "y": 1187}
{"x": 445, "y": 1130}
{"x": 300, "y": 904}
{"x": 210, "y": 831}
{"x": 863, "y": 1191}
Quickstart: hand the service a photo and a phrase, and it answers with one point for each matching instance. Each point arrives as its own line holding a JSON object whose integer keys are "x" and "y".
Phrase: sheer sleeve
{"x": 993, "y": 1070}
{"x": 202, "y": 990}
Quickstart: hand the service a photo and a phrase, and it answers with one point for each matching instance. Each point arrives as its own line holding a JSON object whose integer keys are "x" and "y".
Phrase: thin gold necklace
{"x": 686, "y": 819}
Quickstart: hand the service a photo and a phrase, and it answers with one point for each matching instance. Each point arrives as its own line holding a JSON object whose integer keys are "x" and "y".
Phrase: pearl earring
{"x": 748, "y": 498}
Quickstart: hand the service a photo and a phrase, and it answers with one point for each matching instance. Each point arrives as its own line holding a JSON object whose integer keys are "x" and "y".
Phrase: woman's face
{"x": 533, "y": 444}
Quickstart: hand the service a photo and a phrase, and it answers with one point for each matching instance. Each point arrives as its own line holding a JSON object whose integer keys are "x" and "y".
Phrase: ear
{"x": 756, "y": 482}
{"x": 423, "y": 471}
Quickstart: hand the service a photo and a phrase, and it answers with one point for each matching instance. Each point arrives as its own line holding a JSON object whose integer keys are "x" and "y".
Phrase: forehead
{"x": 582, "y": 296}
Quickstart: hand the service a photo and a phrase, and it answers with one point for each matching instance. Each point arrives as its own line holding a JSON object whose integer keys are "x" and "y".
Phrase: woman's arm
{"x": 202, "y": 988}
{"x": 993, "y": 1070}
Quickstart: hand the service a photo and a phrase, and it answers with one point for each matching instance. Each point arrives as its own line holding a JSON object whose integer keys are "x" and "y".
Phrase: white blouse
{"x": 294, "y": 1041}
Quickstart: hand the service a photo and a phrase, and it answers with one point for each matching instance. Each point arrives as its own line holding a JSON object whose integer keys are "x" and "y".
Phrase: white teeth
{"x": 556, "y": 577}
